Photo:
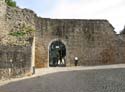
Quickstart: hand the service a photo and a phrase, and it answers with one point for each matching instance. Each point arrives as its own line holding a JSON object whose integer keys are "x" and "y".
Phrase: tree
{"x": 123, "y": 31}
{"x": 10, "y": 3}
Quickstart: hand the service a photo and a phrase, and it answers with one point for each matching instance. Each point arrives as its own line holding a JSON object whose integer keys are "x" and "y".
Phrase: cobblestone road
{"x": 102, "y": 80}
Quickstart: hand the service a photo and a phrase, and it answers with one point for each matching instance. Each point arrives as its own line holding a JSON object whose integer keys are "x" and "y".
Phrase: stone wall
{"x": 18, "y": 20}
{"x": 15, "y": 61}
{"x": 14, "y": 19}
{"x": 3, "y": 31}
{"x": 121, "y": 47}
{"x": 92, "y": 41}
{"x": 16, "y": 56}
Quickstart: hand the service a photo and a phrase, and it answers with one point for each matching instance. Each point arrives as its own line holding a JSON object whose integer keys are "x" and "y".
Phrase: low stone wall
{"x": 15, "y": 61}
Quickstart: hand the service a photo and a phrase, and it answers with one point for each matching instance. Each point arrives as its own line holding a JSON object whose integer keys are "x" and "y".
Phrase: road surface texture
{"x": 97, "y": 80}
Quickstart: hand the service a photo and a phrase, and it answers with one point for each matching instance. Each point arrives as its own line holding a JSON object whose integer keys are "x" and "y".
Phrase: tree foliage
{"x": 123, "y": 31}
{"x": 11, "y": 3}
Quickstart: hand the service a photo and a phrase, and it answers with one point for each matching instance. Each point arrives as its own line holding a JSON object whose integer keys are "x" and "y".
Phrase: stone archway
{"x": 57, "y": 54}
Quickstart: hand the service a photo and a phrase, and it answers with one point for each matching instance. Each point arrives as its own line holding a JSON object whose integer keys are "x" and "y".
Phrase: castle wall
{"x": 121, "y": 48}
{"x": 92, "y": 41}
{"x": 16, "y": 56}
{"x": 15, "y": 61}
{"x": 3, "y": 31}
{"x": 17, "y": 19}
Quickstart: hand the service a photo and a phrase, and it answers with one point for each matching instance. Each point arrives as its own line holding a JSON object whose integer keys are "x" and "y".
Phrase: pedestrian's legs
{"x": 76, "y": 62}
{"x": 60, "y": 60}
{"x": 53, "y": 61}
{"x": 56, "y": 61}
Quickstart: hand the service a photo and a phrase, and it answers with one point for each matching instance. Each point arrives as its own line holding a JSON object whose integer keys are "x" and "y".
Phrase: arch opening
{"x": 57, "y": 54}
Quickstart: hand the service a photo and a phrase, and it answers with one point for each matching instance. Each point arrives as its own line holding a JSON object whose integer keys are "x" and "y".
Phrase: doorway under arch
{"x": 57, "y": 54}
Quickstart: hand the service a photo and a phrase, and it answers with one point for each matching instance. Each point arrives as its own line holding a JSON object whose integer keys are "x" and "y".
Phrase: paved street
{"x": 97, "y": 80}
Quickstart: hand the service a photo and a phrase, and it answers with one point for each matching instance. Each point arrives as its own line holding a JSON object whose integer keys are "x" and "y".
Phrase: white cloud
{"x": 113, "y": 10}
{"x": 91, "y": 9}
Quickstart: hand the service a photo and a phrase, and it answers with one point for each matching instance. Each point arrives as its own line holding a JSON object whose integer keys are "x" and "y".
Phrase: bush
{"x": 24, "y": 31}
{"x": 123, "y": 31}
{"x": 17, "y": 34}
{"x": 10, "y": 3}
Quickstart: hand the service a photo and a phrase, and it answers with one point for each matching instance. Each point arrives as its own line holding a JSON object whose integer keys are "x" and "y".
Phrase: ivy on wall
{"x": 17, "y": 34}
{"x": 24, "y": 31}
{"x": 23, "y": 36}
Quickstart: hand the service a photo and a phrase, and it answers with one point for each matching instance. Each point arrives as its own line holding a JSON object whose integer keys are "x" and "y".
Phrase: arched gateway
{"x": 57, "y": 54}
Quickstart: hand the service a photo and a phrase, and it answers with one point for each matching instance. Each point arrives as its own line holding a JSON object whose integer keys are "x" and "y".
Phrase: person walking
{"x": 76, "y": 61}
{"x": 55, "y": 58}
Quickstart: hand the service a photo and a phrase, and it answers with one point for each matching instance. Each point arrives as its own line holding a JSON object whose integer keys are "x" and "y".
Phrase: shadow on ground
{"x": 105, "y": 80}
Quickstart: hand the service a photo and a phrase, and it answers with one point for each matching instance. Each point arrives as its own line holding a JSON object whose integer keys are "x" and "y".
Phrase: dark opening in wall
{"x": 57, "y": 54}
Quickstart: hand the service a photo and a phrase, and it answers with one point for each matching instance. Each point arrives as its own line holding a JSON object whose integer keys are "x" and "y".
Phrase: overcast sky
{"x": 112, "y": 10}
